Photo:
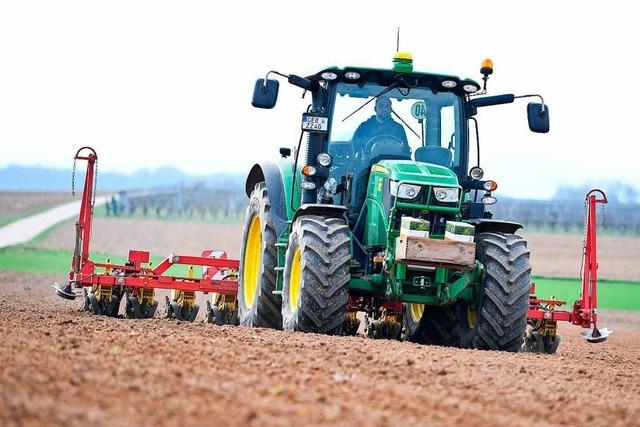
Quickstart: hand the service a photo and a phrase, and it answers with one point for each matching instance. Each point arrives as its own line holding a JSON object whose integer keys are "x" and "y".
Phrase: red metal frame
{"x": 584, "y": 310}
{"x": 219, "y": 273}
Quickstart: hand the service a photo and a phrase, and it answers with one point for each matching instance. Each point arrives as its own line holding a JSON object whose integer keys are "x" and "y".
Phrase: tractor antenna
{"x": 398, "y": 40}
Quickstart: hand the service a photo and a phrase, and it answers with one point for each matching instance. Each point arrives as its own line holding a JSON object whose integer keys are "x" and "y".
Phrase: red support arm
{"x": 83, "y": 225}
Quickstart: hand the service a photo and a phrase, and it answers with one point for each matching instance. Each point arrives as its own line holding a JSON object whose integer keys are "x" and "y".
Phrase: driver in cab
{"x": 379, "y": 125}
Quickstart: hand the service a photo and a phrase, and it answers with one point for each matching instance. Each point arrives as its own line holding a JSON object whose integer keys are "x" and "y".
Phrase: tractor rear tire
{"x": 504, "y": 300}
{"x": 439, "y": 325}
{"x": 257, "y": 304}
{"x": 316, "y": 276}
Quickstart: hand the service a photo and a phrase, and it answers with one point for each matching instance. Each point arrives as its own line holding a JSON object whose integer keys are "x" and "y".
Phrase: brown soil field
{"x": 118, "y": 235}
{"x": 61, "y": 366}
{"x": 555, "y": 255}
{"x": 20, "y": 203}
{"x": 560, "y": 255}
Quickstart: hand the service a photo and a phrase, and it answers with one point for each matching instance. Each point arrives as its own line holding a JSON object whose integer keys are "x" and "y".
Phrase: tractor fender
{"x": 269, "y": 173}
{"x": 330, "y": 211}
{"x": 484, "y": 225}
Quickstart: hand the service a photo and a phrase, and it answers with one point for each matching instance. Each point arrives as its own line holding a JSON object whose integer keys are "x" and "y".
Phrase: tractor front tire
{"x": 316, "y": 276}
{"x": 504, "y": 300}
{"x": 257, "y": 304}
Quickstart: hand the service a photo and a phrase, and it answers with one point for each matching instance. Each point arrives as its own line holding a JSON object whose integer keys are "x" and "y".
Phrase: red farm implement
{"x": 136, "y": 281}
{"x": 543, "y": 315}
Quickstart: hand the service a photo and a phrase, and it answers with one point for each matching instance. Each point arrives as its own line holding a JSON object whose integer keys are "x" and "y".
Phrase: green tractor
{"x": 379, "y": 211}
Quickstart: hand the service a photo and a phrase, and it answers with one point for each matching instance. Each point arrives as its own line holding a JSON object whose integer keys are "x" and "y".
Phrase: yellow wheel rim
{"x": 472, "y": 317}
{"x": 252, "y": 260}
{"x": 416, "y": 311}
{"x": 295, "y": 280}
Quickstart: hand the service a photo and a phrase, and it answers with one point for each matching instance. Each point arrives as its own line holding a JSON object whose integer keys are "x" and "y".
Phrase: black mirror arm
{"x": 303, "y": 83}
{"x": 273, "y": 72}
{"x": 534, "y": 96}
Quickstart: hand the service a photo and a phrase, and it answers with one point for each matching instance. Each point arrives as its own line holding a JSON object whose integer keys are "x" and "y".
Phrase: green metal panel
{"x": 286, "y": 172}
{"x": 419, "y": 172}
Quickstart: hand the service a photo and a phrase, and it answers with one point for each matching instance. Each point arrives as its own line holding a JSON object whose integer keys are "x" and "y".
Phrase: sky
{"x": 156, "y": 83}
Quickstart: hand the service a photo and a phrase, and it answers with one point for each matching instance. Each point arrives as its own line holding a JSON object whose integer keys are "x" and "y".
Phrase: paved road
{"x": 25, "y": 229}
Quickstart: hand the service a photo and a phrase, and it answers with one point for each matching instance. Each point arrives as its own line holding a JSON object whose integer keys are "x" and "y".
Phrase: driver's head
{"x": 383, "y": 108}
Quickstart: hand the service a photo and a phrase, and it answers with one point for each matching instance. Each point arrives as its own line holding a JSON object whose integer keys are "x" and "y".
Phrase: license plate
{"x": 314, "y": 123}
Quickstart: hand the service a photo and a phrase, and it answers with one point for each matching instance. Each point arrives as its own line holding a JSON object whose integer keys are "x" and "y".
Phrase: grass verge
{"x": 38, "y": 260}
{"x": 612, "y": 294}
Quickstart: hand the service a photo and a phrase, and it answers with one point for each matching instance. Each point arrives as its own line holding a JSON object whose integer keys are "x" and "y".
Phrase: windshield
{"x": 401, "y": 123}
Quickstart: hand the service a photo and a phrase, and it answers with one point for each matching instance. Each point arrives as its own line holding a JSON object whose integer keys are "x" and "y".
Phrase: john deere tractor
{"x": 383, "y": 213}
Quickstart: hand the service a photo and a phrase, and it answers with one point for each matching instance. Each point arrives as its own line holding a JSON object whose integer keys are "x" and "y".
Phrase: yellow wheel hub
{"x": 472, "y": 317}
{"x": 416, "y": 310}
{"x": 295, "y": 280}
{"x": 252, "y": 261}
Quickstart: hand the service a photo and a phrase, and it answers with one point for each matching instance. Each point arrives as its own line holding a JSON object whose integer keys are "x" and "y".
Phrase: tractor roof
{"x": 402, "y": 70}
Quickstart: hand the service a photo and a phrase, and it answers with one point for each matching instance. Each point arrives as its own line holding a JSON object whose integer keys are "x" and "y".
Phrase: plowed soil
{"x": 118, "y": 235}
{"x": 15, "y": 204}
{"x": 60, "y": 366}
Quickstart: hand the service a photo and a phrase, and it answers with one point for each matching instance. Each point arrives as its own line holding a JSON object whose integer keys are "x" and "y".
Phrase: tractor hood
{"x": 418, "y": 172}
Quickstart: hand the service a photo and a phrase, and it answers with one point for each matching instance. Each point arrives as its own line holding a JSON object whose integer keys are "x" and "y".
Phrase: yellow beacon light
{"x": 487, "y": 67}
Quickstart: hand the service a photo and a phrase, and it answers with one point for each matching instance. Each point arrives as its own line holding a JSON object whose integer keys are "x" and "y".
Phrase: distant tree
{"x": 617, "y": 192}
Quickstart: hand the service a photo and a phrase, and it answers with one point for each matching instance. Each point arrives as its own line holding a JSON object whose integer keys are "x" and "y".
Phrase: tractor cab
{"x": 416, "y": 122}
{"x": 398, "y": 119}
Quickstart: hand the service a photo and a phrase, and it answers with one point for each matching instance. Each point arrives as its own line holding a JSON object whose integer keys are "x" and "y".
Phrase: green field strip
{"x": 612, "y": 294}
{"x": 58, "y": 261}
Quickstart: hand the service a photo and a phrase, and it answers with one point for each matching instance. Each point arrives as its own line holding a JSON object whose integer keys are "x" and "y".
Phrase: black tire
{"x": 323, "y": 248}
{"x": 265, "y": 308}
{"x": 411, "y": 319}
{"x": 439, "y": 325}
{"x": 175, "y": 311}
{"x": 101, "y": 307}
{"x": 93, "y": 304}
{"x": 132, "y": 308}
{"x": 536, "y": 343}
{"x": 192, "y": 313}
{"x": 504, "y": 302}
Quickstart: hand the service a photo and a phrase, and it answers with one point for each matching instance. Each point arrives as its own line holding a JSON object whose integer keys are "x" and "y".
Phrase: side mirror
{"x": 285, "y": 152}
{"x": 538, "y": 116}
{"x": 265, "y": 93}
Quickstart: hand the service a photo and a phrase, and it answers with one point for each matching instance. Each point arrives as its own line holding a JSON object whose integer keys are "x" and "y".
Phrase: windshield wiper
{"x": 382, "y": 92}
{"x": 406, "y": 124}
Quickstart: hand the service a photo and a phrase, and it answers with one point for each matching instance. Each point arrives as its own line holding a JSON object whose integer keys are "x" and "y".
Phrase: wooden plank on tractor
{"x": 435, "y": 253}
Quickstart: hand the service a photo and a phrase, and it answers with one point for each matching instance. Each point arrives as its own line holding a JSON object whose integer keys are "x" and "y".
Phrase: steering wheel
{"x": 379, "y": 142}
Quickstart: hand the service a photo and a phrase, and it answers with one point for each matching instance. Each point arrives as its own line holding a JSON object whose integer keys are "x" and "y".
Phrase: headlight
{"x": 308, "y": 185}
{"x": 476, "y": 173}
{"x": 446, "y": 194}
{"x": 405, "y": 191}
{"x": 489, "y": 200}
{"x": 324, "y": 159}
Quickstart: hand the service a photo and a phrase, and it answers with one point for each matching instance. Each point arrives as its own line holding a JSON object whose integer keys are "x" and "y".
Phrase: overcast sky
{"x": 152, "y": 83}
